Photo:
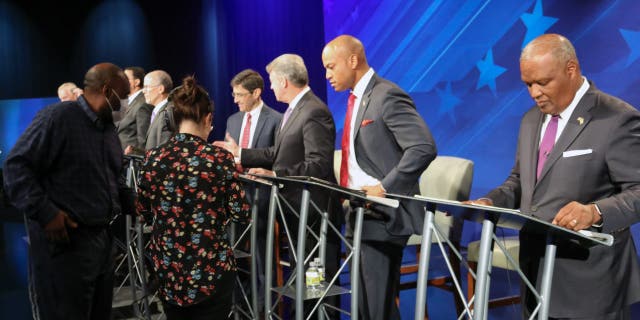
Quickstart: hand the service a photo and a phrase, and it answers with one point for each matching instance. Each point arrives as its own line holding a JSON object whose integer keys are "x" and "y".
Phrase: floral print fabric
{"x": 188, "y": 191}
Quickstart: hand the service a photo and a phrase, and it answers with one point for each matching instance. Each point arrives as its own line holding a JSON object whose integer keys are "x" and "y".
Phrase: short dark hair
{"x": 190, "y": 101}
{"x": 248, "y": 79}
{"x": 138, "y": 73}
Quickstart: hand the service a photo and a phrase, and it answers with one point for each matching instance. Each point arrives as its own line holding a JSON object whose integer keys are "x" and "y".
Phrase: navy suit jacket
{"x": 264, "y": 136}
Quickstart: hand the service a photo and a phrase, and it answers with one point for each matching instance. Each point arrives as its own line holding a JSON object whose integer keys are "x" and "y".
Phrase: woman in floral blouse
{"x": 189, "y": 192}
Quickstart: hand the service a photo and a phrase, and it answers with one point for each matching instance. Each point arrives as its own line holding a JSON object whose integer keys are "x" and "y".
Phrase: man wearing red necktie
{"x": 386, "y": 146}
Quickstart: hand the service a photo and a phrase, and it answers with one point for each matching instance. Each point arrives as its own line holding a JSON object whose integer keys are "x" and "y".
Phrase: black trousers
{"x": 71, "y": 280}
{"x": 217, "y": 306}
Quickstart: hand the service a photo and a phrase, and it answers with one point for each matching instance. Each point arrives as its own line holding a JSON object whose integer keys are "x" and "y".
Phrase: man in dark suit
{"x": 386, "y": 146}
{"x": 132, "y": 129}
{"x": 303, "y": 146}
{"x": 157, "y": 86}
{"x": 247, "y": 90}
{"x": 254, "y": 126}
{"x": 576, "y": 166}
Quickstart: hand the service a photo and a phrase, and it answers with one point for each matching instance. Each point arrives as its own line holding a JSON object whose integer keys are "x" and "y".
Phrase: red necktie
{"x": 346, "y": 131}
{"x": 548, "y": 140}
{"x": 244, "y": 142}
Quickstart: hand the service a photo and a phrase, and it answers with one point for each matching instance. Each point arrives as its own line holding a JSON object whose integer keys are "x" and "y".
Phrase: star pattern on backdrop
{"x": 633, "y": 41}
{"x": 448, "y": 101}
{"x": 489, "y": 71}
{"x": 536, "y": 22}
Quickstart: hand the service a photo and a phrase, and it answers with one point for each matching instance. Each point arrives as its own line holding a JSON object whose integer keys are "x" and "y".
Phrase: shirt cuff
{"x": 598, "y": 225}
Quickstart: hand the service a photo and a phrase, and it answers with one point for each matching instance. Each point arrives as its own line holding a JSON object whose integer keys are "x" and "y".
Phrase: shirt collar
{"x": 134, "y": 95}
{"x": 295, "y": 100}
{"x": 162, "y": 103}
{"x": 256, "y": 111}
{"x": 566, "y": 113}
{"x": 362, "y": 84}
{"x": 87, "y": 110}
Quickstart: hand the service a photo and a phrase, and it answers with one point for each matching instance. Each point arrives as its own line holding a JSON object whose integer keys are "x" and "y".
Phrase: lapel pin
{"x": 580, "y": 120}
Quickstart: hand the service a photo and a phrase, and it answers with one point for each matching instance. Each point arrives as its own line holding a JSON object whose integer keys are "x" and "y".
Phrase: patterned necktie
{"x": 548, "y": 140}
{"x": 286, "y": 116}
{"x": 246, "y": 133}
{"x": 346, "y": 132}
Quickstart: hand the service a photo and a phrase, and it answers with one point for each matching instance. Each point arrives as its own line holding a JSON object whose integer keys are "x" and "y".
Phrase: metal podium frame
{"x": 492, "y": 217}
{"x": 134, "y": 254}
{"x": 252, "y": 306}
{"x": 358, "y": 200}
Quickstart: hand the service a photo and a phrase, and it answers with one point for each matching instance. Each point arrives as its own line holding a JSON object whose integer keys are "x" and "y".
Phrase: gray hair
{"x": 162, "y": 78}
{"x": 292, "y": 67}
{"x": 559, "y": 46}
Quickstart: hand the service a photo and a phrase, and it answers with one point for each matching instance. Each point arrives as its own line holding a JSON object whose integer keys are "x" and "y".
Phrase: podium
{"x": 492, "y": 217}
{"x": 251, "y": 229}
{"x": 298, "y": 291}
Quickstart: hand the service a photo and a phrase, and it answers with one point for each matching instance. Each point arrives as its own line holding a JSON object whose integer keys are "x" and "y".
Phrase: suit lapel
{"x": 577, "y": 122}
{"x": 364, "y": 104}
{"x": 236, "y": 126}
{"x": 259, "y": 126}
{"x": 292, "y": 118}
{"x": 529, "y": 157}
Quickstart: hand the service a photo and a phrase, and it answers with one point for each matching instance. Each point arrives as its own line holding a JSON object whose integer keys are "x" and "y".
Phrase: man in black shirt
{"x": 64, "y": 174}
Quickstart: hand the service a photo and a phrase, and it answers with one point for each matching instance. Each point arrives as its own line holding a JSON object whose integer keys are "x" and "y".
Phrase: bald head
{"x": 345, "y": 62}
{"x": 105, "y": 84}
{"x": 550, "y": 70}
{"x": 557, "y": 45}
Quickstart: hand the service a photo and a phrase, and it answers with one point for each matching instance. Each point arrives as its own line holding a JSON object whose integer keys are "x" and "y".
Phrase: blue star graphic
{"x": 633, "y": 41}
{"x": 489, "y": 72}
{"x": 447, "y": 101}
{"x": 536, "y": 23}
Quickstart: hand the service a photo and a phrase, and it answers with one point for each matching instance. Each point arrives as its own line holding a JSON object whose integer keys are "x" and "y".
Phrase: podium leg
{"x": 268, "y": 265}
{"x": 547, "y": 275}
{"x": 254, "y": 257}
{"x": 423, "y": 266}
{"x": 355, "y": 263}
{"x": 302, "y": 235}
{"x": 482, "y": 272}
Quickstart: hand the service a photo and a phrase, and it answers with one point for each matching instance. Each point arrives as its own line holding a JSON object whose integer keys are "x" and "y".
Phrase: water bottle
{"x": 312, "y": 277}
{"x": 321, "y": 271}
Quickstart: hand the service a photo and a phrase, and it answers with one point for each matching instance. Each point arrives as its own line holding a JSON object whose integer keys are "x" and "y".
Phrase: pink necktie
{"x": 286, "y": 116}
{"x": 246, "y": 133}
{"x": 346, "y": 131}
{"x": 548, "y": 140}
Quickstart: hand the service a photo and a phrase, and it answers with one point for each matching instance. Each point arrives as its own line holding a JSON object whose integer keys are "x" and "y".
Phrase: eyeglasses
{"x": 239, "y": 94}
{"x": 147, "y": 88}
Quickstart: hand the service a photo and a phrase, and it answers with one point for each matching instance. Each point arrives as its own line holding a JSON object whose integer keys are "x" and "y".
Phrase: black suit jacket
{"x": 394, "y": 145}
{"x": 595, "y": 159}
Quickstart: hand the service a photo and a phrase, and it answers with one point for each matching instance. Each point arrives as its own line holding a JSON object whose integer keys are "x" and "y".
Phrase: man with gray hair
{"x": 68, "y": 91}
{"x": 156, "y": 89}
{"x": 304, "y": 145}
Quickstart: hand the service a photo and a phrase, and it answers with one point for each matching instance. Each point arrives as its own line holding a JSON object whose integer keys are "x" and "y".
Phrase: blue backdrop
{"x": 459, "y": 61}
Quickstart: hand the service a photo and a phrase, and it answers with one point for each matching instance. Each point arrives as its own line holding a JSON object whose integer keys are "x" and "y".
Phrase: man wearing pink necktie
{"x": 577, "y": 167}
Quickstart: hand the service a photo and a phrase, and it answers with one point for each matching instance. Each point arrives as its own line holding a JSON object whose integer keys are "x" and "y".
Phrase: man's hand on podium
{"x": 261, "y": 171}
{"x": 577, "y": 216}
{"x": 376, "y": 191}
{"x": 481, "y": 201}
